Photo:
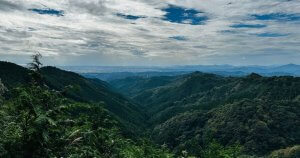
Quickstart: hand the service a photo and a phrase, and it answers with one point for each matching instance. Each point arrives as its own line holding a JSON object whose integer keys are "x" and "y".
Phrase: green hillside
{"x": 94, "y": 90}
{"x": 80, "y": 89}
{"x": 13, "y": 75}
{"x": 206, "y": 91}
{"x": 259, "y": 113}
{"x": 132, "y": 86}
{"x": 37, "y": 122}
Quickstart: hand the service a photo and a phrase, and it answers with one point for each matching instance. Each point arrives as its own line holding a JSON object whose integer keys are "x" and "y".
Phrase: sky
{"x": 151, "y": 32}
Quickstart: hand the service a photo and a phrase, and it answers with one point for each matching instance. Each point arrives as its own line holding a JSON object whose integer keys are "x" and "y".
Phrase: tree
{"x": 36, "y": 64}
{"x": 35, "y": 67}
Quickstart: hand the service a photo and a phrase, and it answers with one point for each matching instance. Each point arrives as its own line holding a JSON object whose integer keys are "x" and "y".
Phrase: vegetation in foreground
{"x": 39, "y": 122}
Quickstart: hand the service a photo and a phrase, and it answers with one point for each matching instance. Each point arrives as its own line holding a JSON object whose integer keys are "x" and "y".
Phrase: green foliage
{"x": 260, "y": 126}
{"x": 13, "y": 75}
{"x": 36, "y": 122}
{"x": 27, "y": 120}
{"x": 76, "y": 87}
{"x": 259, "y": 113}
{"x": 92, "y": 90}
{"x": 147, "y": 150}
{"x": 216, "y": 150}
{"x": 133, "y": 86}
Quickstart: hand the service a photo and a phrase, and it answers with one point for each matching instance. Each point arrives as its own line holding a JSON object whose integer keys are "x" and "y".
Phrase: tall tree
{"x": 35, "y": 67}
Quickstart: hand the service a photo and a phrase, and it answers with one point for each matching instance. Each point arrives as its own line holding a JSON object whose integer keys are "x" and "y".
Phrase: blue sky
{"x": 151, "y": 32}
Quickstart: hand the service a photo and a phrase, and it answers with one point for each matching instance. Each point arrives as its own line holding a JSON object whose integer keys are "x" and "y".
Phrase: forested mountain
{"x": 260, "y": 113}
{"x": 94, "y": 90}
{"x": 13, "y": 75}
{"x": 78, "y": 88}
{"x": 132, "y": 86}
{"x": 41, "y": 115}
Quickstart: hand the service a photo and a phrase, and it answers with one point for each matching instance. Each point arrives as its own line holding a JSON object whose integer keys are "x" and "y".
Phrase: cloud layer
{"x": 151, "y": 32}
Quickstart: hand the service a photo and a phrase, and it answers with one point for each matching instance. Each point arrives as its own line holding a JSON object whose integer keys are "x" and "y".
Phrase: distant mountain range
{"x": 120, "y": 72}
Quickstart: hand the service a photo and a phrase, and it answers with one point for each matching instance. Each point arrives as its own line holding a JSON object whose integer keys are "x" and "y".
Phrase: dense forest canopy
{"x": 48, "y": 112}
{"x": 186, "y": 112}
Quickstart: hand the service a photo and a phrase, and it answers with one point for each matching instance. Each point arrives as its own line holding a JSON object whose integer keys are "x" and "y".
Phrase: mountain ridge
{"x": 195, "y": 106}
{"x": 78, "y": 88}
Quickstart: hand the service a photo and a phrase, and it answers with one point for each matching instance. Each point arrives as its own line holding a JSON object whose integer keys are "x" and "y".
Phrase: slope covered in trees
{"x": 13, "y": 75}
{"x": 133, "y": 86}
{"x": 94, "y": 90}
{"x": 37, "y": 120}
{"x": 78, "y": 88}
{"x": 259, "y": 113}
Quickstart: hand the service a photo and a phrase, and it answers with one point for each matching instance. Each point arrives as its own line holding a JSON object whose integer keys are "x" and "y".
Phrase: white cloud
{"x": 90, "y": 32}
